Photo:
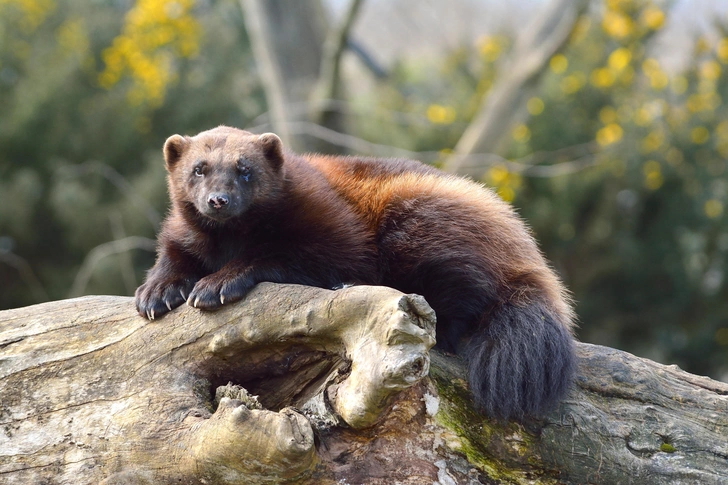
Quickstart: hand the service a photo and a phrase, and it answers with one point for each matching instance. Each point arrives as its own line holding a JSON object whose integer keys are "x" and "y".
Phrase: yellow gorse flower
{"x": 713, "y": 208}
{"x": 653, "y": 174}
{"x": 573, "y": 82}
{"x": 439, "y": 114}
{"x": 521, "y": 133}
{"x": 619, "y": 59}
{"x": 617, "y": 24}
{"x": 653, "y": 18}
{"x": 722, "y": 50}
{"x": 653, "y": 141}
{"x": 504, "y": 181}
{"x": 602, "y": 77}
{"x": 155, "y": 31}
{"x": 658, "y": 78}
{"x": 491, "y": 47}
{"x": 710, "y": 70}
{"x": 699, "y": 135}
{"x": 559, "y": 63}
{"x": 610, "y": 134}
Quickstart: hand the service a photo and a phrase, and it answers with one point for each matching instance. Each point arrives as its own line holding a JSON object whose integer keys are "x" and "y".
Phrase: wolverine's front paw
{"x": 157, "y": 297}
{"x": 215, "y": 290}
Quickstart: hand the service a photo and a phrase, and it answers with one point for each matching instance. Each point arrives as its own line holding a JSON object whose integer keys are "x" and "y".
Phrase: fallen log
{"x": 312, "y": 386}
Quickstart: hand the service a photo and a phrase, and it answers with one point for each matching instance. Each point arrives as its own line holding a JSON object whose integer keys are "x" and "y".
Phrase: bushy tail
{"x": 521, "y": 363}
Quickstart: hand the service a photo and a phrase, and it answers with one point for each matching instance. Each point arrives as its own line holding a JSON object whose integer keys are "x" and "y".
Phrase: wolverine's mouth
{"x": 220, "y": 207}
{"x": 219, "y": 212}
{"x": 218, "y": 215}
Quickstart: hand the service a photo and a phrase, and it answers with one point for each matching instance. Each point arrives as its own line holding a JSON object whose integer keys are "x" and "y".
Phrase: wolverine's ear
{"x": 174, "y": 147}
{"x": 272, "y": 148}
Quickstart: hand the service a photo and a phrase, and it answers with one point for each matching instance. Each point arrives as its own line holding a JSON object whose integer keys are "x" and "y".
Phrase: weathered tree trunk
{"x": 287, "y": 38}
{"x": 298, "y": 52}
{"x": 92, "y": 393}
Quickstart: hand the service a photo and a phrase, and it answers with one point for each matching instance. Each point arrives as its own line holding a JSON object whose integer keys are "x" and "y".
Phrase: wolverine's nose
{"x": 218, "y": 201}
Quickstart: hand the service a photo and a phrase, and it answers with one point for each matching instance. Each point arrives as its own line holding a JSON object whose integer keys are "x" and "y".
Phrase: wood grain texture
{"x": 92, "y": 393}
{"x": 634, "y": 421}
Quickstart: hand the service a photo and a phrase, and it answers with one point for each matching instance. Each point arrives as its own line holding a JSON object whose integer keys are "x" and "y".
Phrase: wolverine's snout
{"x": 218, "y": 201}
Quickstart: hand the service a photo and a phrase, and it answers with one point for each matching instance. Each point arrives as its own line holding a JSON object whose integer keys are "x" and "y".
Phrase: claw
{"x": 168, "y": 305}
{"x": 197, "y": 300}
{"x": 222, "y": 299}
{"x": 150, "y": 315}
{"x": 182, "y": 292}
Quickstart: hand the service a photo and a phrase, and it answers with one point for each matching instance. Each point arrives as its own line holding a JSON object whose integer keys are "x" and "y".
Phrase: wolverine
{"x": 245, "y": 210}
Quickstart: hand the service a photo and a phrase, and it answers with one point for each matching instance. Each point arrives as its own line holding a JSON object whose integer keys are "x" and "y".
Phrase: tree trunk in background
{"x": 504, "y": 105}
{"x": 330, "y": 87}
{"x": 92, "y": 393}
{"x": 299, "y": 54}
{"x": 287, "y": 38}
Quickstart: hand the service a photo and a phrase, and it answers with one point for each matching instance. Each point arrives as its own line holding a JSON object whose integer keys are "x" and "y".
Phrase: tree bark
{"x": 92, "y": 393}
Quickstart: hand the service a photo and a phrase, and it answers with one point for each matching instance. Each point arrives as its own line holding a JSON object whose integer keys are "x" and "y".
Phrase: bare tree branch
{"x": 367, "y": 60}
{"x": 126, "y": 267}
{"x": 259, "y": 29}
{"x": 582, "y": 156}
{"x": 118, "y": 181}
{"x": 26, "y": 274}
{"x": 304, "y": 108}
{"x": 542, "y": 38}
{"x": 102, "y": 251}
{"x": 329, "y": 82}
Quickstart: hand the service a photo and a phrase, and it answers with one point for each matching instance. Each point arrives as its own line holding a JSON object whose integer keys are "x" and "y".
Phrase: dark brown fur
{"x": 289, "y": 226}
{"x": 325, "y": 221}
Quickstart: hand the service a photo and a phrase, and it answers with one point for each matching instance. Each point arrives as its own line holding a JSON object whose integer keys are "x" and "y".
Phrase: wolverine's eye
{"x": 198, "y": 171}
{"x": 245, "y": 172}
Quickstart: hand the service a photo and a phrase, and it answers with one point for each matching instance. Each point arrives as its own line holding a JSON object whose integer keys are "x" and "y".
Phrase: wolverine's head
{"x": 219, "y": 174}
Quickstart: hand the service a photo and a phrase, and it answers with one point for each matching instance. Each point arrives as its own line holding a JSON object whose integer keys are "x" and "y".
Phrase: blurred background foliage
{"x": 618, "y": 159}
